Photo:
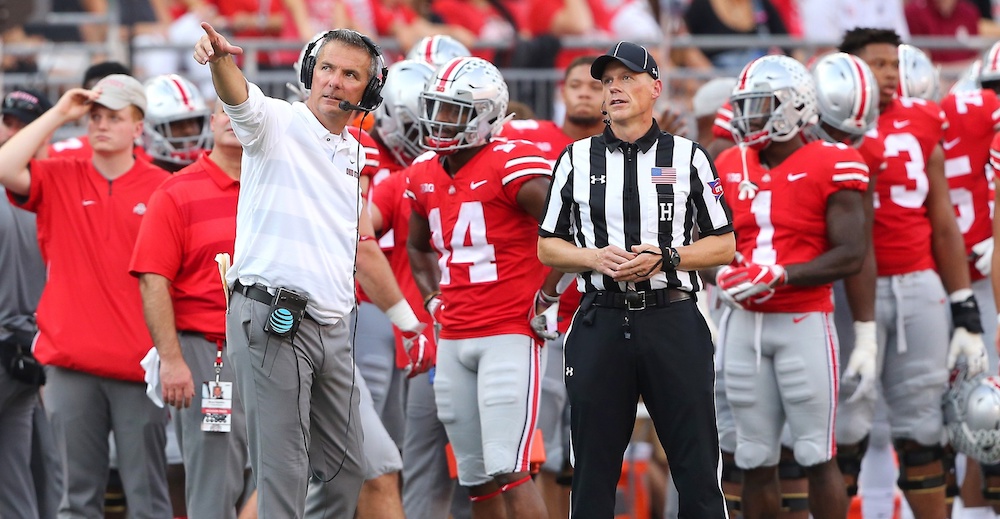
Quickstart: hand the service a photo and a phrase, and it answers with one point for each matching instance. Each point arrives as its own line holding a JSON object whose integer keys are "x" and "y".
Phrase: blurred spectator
{"x": 789, "y": 11}
{"x": 989, "y": 18}
{"x": 734, "y": 18}
{"x": 958, "y": 19}
{"x": 489, "y": 20}
{"x": 99, "y": 71}
{"x": 408, "y": 22}
{"x": 826, "y": 21}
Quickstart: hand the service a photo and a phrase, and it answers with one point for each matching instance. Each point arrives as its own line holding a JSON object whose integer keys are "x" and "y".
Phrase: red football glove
{"x": 749, "y": 280}
{"x": 419, "y": 351}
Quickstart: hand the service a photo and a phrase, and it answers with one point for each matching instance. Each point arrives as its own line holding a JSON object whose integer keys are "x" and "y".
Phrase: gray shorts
{"x": 912, "y": 315}
{"x": 486, "y": 390}
{"x": 778, "y": 367}
{"x": 553, "y": 415}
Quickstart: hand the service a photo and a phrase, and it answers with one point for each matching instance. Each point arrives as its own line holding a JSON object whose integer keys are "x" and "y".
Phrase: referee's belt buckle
{"x": 635, "y": 300}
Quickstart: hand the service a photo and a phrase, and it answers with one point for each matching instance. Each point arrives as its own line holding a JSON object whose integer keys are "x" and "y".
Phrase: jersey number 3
{"x": 468, "y": 244}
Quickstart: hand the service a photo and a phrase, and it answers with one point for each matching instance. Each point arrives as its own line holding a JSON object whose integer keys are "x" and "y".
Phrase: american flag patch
{"x": 663, "y": 175}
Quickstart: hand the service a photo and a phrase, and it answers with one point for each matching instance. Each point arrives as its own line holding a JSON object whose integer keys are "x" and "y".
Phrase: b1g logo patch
{"x": 716, "y": 186}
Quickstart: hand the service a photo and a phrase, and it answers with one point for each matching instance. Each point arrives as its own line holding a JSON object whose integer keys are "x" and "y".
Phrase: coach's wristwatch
{"x": 671, "y": 257}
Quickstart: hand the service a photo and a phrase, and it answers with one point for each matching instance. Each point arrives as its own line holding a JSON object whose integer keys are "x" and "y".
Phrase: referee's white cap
{"x": 633, "y": 56}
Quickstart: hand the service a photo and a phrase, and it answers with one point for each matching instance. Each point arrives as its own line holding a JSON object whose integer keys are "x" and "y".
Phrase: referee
{"x": 622, "y": 212}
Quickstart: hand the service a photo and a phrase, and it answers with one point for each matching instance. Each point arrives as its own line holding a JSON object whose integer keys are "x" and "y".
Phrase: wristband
{"x": 865, "y": 330}
{"x": 402, "y": 316}
{"x": 431, "y": 296}
{"x": 547, "y": 298}
{"x": 960, "y": 295}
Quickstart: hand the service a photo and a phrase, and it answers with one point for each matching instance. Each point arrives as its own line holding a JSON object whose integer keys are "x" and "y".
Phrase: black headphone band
{"x": 371, "y": 97}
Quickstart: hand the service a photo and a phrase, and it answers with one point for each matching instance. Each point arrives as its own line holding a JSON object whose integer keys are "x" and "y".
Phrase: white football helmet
{"x": 918, "y": 77}
{"x": 847, "y": 96}
{"x": 437, "y": 50}
{"x": 397, "y": 121}
{"x": 463, "y": 105}
{"x": 774, "y": 98}
{"x": 172, "y": 100}
{"x": 972, "y": 415}
{"x": 969, "y": 80}
{"x": 990, "y": 69}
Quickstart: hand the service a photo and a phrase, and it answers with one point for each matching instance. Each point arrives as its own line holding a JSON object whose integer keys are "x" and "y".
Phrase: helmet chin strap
{"x": 748, "y": 190}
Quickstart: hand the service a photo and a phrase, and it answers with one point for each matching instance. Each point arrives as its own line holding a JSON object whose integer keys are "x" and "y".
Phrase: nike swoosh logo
{"x": 88, "y": 202}
{"x": 947, "y": 145}
{"x": 474, "y": 185}
{"x": 900, "y": 124}
{"x": 799, "y": 319}
{"x": 792, "y": 177}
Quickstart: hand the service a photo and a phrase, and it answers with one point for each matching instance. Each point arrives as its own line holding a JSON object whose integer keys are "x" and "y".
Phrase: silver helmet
{"x": 397, "y": 118}
{"x": 968, "y": 80}
{"x": 918, "y": 76}
{"x": 437, "y": 50}
{"x": 847, "y": 96}
{"x": 972, "y": 415}
{"x": 463, "y": 105}
{"x": 176, "y": 126}
{"x": 990, "y": 70}
{"x": 774, "y": 98}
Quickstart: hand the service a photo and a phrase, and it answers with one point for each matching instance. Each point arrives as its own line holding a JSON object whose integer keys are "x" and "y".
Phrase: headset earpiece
{"x": 372, "y": 96}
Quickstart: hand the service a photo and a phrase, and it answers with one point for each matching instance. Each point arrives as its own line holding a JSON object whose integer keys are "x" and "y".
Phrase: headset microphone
{"x": 347, "y": 107}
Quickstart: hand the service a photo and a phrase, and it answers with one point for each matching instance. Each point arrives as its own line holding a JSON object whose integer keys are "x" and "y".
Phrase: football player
{"x": 476, "y": 205}
{"x": 796, "y": 210}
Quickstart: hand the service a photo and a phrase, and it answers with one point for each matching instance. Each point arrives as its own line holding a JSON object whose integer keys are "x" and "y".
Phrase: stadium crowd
{"x": 198, "y": 321}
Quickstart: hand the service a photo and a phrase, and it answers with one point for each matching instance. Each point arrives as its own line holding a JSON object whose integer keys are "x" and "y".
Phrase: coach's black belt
{"x": 640, "y": 300}
{"x": 260, "y": 294}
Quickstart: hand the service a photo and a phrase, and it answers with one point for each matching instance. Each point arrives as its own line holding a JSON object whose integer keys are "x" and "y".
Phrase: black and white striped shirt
{"x": 662, "y": 190}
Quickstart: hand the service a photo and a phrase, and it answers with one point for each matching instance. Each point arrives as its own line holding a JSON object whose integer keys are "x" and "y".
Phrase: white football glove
{"x": 862, "y": 363}
{"x": 969, "y": 345}
{"x": 724, "y": 295}
{"x": 543, "y": 316}
{"x": 983, "y": 254}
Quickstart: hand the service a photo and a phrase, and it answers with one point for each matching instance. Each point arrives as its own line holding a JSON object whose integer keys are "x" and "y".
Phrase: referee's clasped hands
{"x": 639, "y": 264}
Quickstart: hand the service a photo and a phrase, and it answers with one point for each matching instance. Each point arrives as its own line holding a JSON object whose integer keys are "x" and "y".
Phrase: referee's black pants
{"x": 669, "y": 361}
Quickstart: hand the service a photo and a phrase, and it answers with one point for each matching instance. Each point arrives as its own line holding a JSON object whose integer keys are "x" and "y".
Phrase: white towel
{"x": 151, "y": 364}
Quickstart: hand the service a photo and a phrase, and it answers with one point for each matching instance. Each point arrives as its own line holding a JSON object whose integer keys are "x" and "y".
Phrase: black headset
{"x": 372, "y": 96}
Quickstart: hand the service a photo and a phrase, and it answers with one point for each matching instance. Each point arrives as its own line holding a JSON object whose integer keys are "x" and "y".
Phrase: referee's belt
{"x": 640, "y": 300}
{"x": 260, "y": 294}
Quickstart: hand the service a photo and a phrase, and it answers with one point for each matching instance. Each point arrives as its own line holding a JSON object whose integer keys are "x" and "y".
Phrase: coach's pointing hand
{"x": 213, "y": 46}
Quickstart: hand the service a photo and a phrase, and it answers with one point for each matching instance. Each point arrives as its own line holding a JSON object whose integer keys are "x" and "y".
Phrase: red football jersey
{"x": 973, "y": 119}
{"x": 391, "y": 200}
{"x": 545, "y": 134}
{"x": 910, "y": 129}
{"x": 785, "y": 223}
{"x": 552, "y": 141}
{"x": 722, "y": 127}
{"x": 371, "y": 168}
{"x": 485, "y": 241}
{"x": 873, "y": 152}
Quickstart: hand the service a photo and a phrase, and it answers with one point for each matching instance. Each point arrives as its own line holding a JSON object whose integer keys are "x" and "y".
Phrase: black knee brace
{"x": 849, "y": 460}
{"x": 991, "y": 482}
{"x": 912, "y": 454}
{"x": 788, "y": 469}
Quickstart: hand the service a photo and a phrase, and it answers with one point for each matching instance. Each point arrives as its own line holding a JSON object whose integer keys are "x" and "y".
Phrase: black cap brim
{"x": 601, "y": 63}
{"x": 24, "y": 116}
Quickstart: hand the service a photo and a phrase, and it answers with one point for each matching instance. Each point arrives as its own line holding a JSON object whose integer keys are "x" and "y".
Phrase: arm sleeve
{"x": 259, "y": 120}
{"x": 712, "y": 214}
{"x": 556, "y": 220}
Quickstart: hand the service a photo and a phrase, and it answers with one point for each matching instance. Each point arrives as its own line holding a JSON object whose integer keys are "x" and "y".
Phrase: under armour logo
{"x": 569, "y": 371}
{"x": 594, "y": 179}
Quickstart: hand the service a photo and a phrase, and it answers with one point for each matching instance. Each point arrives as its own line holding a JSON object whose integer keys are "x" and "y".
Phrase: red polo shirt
{"x": 90, "y": 315}
{"x": 191, "y": 218}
